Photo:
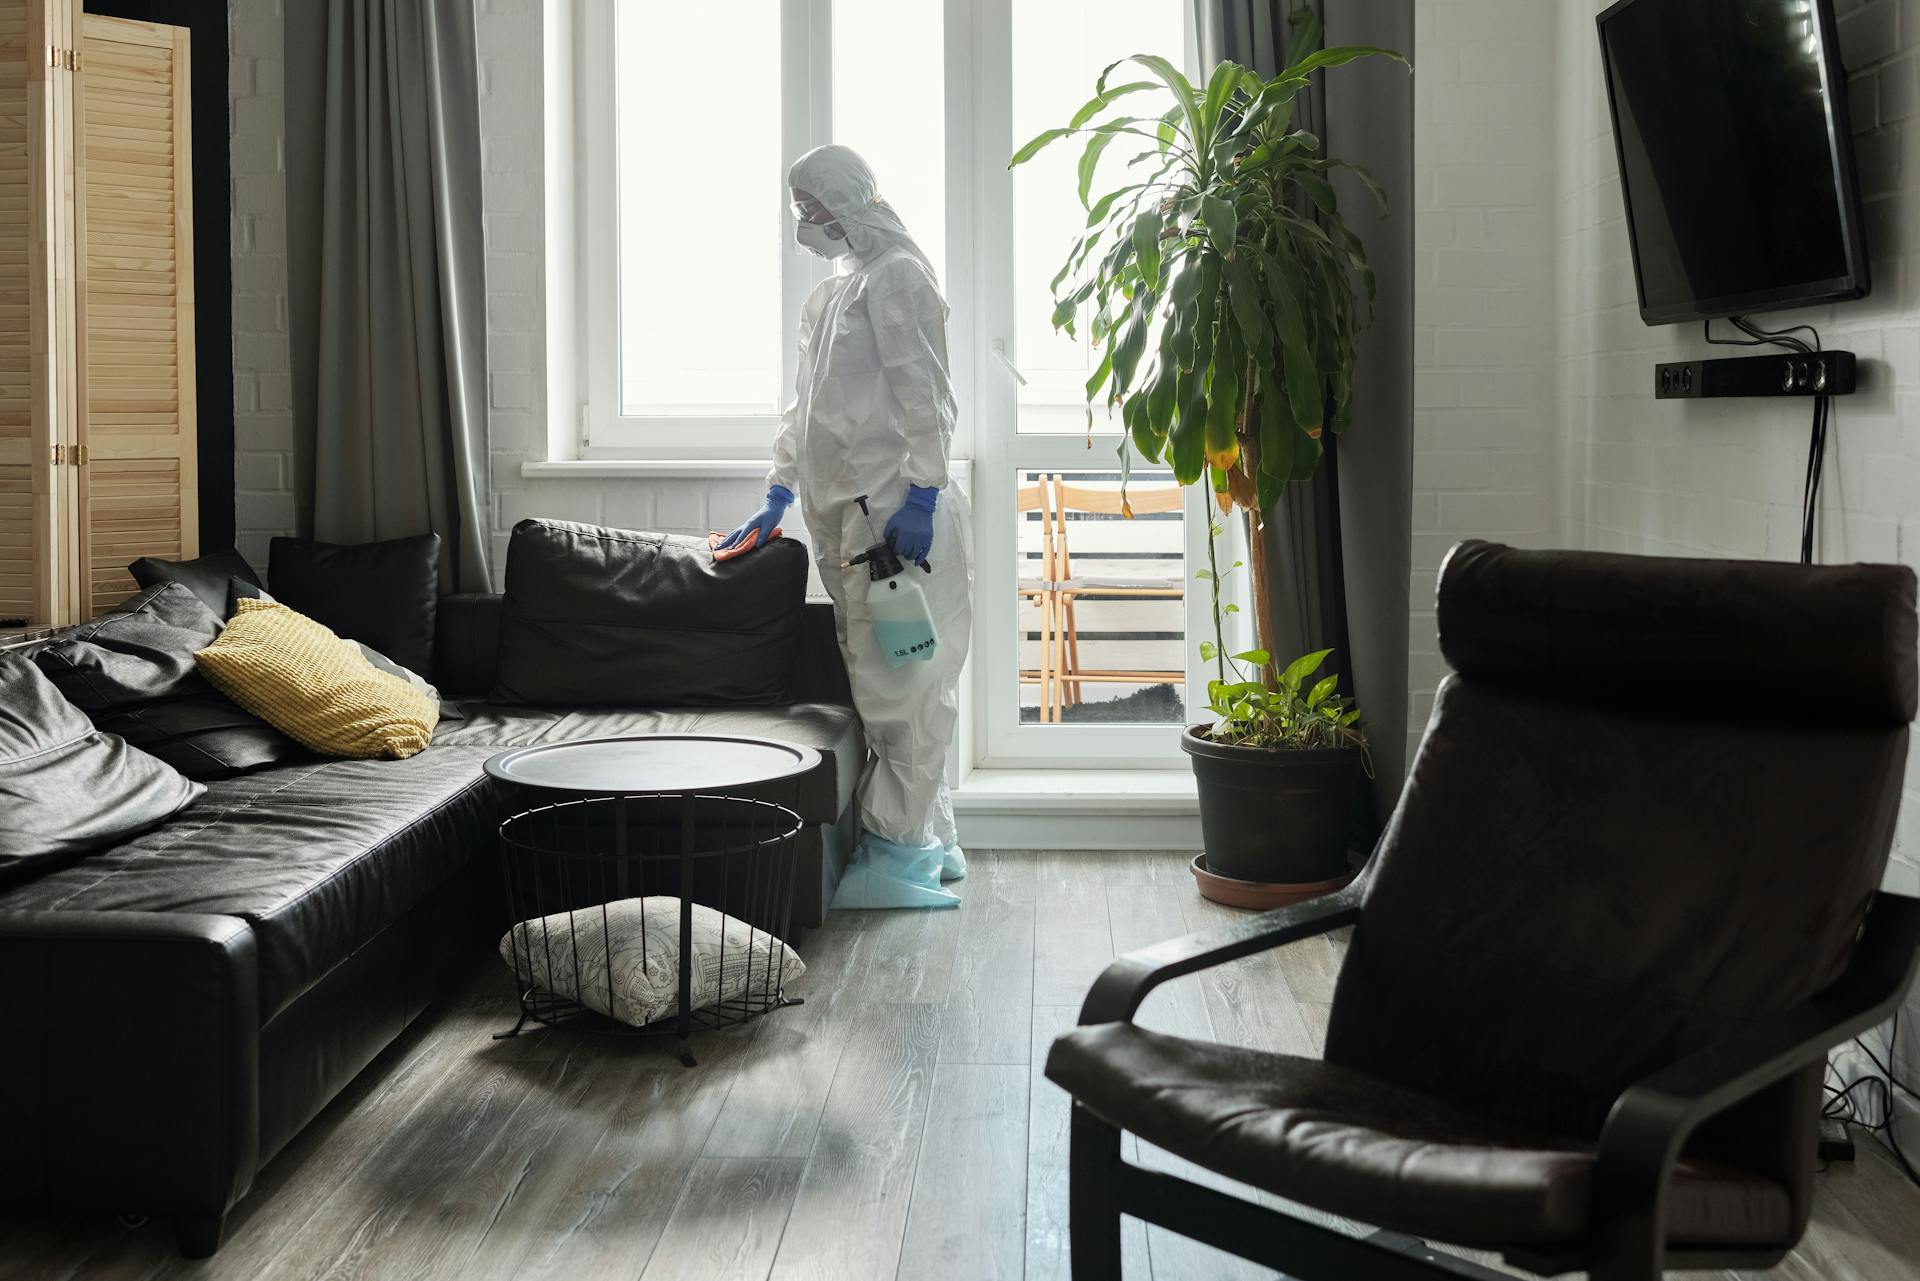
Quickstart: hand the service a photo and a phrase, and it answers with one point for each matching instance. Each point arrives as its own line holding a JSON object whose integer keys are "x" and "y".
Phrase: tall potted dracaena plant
{"x": 1225, "y": 292}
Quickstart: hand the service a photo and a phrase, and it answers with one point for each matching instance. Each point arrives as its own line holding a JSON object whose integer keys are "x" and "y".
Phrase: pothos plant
{"x": 1223, "y": 286}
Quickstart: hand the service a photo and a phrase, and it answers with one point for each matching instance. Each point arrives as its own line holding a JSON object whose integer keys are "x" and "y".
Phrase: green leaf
{"x": 1220, "y": 87}
{"x": 1367, "y": 180}
{"x": 1089, "y": 161}
{"x": 1208, "y": 652}
{"x": 1189, "y": 439}
{"x": 1104, "y": 205}
{"x": 1244, "y": 293}
{"x": 1307, "y": 31}
{"x": 1039, "y": 143}
{"x": 1301, "y": 668}
{"x": 1223, "y": 407}
{"x": 1339, "y": 56}
{"x": 1221, "y": 221}
{"x": 1183, "y": 91}
{"x": 1301, "y": 375}
{"x": 1319, "y": 190}
{"x": 1146, "y": 246}
{"x": 1099, "y": 376}
{"x": 1106, "y": 97}
{"x": 1318, "y": 694}
{"x": 1258, "y": 657}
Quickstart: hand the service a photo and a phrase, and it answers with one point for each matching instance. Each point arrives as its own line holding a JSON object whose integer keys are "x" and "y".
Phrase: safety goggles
{"x": 810, "y": 211}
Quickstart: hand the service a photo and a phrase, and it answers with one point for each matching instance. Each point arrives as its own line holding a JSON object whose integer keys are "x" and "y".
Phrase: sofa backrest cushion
{"x": 132, "y": 672}
{"x": 382, "y": 593}
{"x": 601, "y": 617}
{"x": 466, "y": 643}
{"x": 65, "y": 787}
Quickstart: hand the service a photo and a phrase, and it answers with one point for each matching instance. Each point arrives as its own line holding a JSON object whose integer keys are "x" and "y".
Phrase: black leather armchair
{"x": 1624, "y": 908}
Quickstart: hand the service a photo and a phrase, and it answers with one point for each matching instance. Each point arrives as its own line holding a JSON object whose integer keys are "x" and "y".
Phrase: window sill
{"x": 648, "y": 468}
{"x": 1075, "y": 791}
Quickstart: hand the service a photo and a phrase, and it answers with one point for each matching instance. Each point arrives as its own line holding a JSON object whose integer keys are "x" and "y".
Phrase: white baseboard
{"x": 1078, "y": 810}
{"x": 1031, "y": 831}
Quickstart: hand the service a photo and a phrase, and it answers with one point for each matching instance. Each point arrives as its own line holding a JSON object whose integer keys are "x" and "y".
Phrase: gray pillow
{"x": 66, "y": 788}
{"x": 132, "y": 672}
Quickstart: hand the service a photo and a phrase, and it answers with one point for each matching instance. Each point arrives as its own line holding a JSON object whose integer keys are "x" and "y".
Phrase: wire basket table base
{"x": 572, "y": 867}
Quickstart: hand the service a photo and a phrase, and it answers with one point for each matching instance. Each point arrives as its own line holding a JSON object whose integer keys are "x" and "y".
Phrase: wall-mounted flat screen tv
{"x": 1736, "y": 159}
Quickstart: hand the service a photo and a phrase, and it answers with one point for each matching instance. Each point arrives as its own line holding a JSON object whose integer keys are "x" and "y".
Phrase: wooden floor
{"x": 895, "y": 1125}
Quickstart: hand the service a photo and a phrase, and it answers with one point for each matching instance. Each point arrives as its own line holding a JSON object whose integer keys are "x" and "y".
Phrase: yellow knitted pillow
{"x": 315, "y": 688}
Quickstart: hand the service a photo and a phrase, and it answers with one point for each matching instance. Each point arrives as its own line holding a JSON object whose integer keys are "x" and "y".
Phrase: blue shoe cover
{"x": 953, "y": 863}
{"x": 885, "y": 873}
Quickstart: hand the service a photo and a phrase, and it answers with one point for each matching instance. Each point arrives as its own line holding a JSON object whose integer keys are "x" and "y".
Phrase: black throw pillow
{"x": 132, "y": 672}
{"x": 612, "y": 618}
{"x": 382, "y": 593}
{"x": 206, "y": 577}
{"x": 66, "y": 788}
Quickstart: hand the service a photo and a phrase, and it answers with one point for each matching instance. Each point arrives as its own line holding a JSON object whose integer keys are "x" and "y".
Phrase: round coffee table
{"x": 609, "y": 820}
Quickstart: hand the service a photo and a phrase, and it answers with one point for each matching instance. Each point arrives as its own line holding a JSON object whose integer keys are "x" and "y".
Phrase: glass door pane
{"x": 1101, "y": 614}
{"x": 1059, "y": 50}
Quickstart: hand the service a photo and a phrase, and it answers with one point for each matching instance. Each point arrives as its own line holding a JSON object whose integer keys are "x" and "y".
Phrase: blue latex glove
{"x": 911, "y": 529}
{"x": 779, "y": 498}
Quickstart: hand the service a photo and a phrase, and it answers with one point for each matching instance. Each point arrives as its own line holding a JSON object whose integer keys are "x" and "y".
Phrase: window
{"x": 690, "y": 286}
{"x": 689, "y": 293}
{"x": 700, "y": 216}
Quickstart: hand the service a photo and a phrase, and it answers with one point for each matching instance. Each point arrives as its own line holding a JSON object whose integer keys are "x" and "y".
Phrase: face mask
{"x": 818, "y": 241}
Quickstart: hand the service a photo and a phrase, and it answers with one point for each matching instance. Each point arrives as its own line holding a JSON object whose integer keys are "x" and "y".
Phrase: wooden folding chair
{"x": 1145, "y": 501}
{"x": 1045, "y": 596}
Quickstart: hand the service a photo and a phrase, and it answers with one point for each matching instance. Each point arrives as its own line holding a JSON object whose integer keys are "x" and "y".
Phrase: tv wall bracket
{"x": 1826, "y": 373}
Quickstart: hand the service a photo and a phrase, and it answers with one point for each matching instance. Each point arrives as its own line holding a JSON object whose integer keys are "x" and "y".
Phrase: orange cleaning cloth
{"x": 747, "y": 544}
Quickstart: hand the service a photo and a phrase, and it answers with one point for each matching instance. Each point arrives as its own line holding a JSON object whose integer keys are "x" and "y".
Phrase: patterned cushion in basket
{"x": 645, "y": 933}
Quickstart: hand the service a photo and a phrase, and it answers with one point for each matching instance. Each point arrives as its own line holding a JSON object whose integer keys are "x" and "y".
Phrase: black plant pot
{"x": 1274, "y": 816}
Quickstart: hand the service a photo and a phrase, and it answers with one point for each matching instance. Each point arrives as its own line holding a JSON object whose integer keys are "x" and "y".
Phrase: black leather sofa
{"x": 185, "y": 1003}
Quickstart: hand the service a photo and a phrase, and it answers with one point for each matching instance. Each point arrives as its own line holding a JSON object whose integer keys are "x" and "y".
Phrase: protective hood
{"x": 838, "y": 178}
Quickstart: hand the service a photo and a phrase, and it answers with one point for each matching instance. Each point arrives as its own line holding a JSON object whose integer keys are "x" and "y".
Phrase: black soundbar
{"x": 1827, "y": 373}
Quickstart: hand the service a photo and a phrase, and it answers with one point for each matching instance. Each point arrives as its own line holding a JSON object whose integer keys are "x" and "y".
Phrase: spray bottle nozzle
{"x": 881, "y": 560}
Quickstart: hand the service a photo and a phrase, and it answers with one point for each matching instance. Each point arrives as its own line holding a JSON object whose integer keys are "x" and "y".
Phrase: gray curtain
{"x": 1339, "y": 546}
{"x": 388, "y": 278}
{"x": 1305, "y": 609}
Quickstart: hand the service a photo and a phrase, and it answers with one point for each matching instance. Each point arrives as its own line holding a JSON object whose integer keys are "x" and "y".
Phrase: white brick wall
{"x": 1574, "y": 450}
{"x": 1723, "y": 478}
{"x": 1485, "y": 444}
{"x": 262, "y": 373}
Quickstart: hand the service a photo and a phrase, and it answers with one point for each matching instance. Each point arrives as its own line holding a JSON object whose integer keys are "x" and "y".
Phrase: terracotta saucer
{"x": 1259, "y": 894}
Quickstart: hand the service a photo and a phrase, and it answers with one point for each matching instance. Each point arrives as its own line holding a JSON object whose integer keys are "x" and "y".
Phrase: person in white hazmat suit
{"x": 872, "y": 417}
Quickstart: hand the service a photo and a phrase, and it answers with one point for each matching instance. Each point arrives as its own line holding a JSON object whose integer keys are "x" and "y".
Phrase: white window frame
{"x": 986, "y": 450}
{"x": 806, "y": 40}
{"x": 984, "y": 141}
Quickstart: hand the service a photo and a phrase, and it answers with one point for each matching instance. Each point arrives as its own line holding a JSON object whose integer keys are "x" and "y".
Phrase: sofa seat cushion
{"x": 1352, "y": 1145}
{"x": 832, "y": 729}
{"x": 317, "y": 858}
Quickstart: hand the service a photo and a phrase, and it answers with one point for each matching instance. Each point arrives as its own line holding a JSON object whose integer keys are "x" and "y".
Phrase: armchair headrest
{"x": 1817, "y": 642}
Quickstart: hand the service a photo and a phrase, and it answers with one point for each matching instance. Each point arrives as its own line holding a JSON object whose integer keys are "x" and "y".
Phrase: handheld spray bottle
{"x": 901, "y": 621}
